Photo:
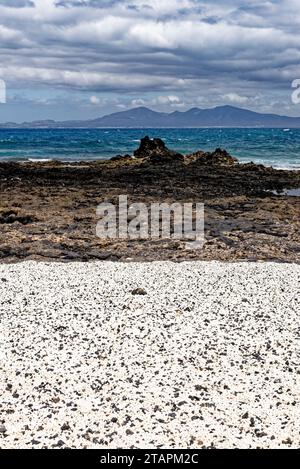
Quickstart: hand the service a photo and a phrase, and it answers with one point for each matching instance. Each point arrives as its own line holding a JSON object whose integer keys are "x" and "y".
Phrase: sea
{"x": 279, "y": 148}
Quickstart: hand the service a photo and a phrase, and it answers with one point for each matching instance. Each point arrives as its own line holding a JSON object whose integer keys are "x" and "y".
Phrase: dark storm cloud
{"x": 16, "y": 3}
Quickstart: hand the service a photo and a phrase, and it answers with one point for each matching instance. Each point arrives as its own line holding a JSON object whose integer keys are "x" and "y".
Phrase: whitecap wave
{"x": 40, "y": 160}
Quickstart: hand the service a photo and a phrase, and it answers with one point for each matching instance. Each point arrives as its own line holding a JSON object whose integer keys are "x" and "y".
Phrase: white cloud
{"x": 236, "y": 98}
{"x": 138, "y": 102}
{"x": 95, "y": 100}
{"x": 168, "y": 100}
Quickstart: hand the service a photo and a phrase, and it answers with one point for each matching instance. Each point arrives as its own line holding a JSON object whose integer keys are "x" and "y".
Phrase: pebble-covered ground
{"x": 161, "y": 355}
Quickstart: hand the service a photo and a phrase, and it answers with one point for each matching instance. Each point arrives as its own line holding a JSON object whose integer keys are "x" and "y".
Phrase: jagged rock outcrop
{"x": 218, "y": 157}
{"x": 156, "y": 151}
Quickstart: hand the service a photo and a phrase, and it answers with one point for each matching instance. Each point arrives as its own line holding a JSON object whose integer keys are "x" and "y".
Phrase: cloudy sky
{"x": 65, "y": 59}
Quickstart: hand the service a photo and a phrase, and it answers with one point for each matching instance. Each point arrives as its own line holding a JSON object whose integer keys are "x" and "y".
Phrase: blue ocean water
{"x": 272, "y": 147}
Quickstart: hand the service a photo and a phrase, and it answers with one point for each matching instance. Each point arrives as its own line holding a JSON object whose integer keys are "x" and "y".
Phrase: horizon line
{"x": 169, "y": 113}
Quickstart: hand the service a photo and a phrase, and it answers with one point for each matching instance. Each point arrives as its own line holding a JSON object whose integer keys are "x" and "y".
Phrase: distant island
{"x": 142, "y": 117}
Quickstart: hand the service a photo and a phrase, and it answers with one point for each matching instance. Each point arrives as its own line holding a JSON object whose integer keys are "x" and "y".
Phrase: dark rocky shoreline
{"x": 48, "y": 210}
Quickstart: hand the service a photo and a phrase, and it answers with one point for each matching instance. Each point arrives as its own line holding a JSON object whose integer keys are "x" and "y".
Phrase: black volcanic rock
{"x": 156, "y": 151}
{"x": 244, "y": 218}
{"x": 121, "y": 158}
{"x": 217, "y": 158}
{"x": 149, "y": 147}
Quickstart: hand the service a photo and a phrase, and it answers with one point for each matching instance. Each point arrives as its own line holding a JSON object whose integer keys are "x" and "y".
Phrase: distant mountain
{"x": 142, "y": 117}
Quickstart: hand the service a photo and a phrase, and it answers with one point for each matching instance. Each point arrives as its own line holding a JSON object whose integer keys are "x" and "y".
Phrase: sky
{"x": 81, "y": 59}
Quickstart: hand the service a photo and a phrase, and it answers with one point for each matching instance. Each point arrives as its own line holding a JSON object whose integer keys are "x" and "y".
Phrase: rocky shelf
{"x": 48, "y": 210}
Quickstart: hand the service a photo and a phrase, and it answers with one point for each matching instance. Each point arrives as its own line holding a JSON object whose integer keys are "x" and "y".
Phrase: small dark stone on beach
{"x": 139, "y": 291}
{"x": 259, "y": 434}
{"x": 35, "y": 442}
{"x": 199, "y": 387}
{"x": 65, "y": 427}
{"x": 288, "y": 441}
{"x": 60, "y": 443}
{"x": 3, "y": 429}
